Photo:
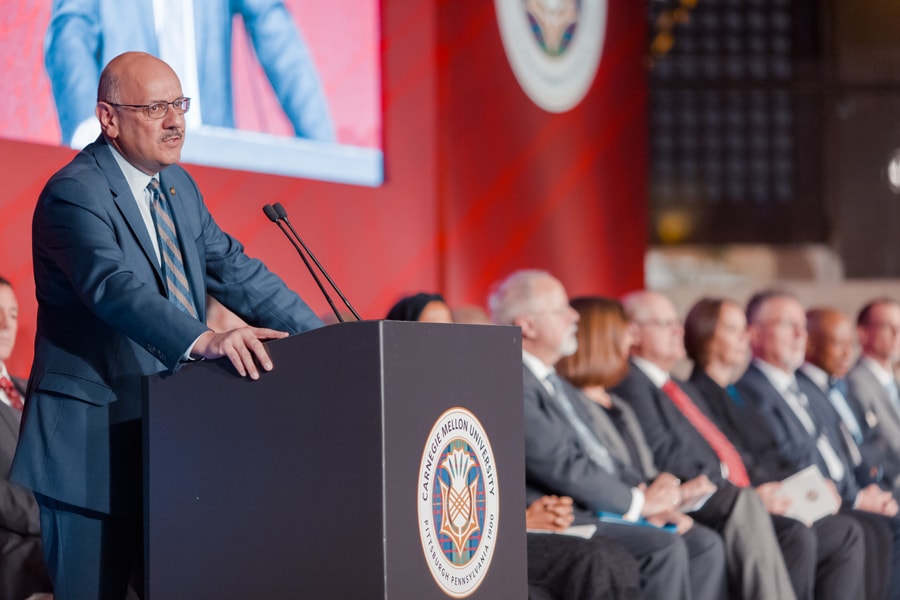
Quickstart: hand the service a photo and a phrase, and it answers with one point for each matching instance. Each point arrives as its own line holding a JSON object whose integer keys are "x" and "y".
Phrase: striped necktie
{"x": 12, "y": 394}
{"x": 727, "y": 453}
{"x": 177, "y": 286}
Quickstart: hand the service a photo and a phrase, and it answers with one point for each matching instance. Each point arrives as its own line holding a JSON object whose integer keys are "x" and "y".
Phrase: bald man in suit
{"x": 125, "y": 252}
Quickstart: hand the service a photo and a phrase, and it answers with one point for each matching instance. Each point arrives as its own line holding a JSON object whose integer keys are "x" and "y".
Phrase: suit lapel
{"x": 126, "y": 203}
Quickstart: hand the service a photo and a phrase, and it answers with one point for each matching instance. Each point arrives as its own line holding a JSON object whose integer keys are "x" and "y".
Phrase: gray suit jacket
{"x": 873, "y": 398}
{"x": 104, "y": 323}
{"x": 556, "y": 461}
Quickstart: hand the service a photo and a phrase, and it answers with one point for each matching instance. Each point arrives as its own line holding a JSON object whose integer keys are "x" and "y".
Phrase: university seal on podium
{"x": 458, "y": 502}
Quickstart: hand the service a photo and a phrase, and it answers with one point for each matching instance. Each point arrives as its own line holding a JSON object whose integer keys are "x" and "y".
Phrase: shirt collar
{"x": 540, "y": 369}
{"x": 651, "y": 370}
{"x": 778, "y": 378}
{"x": 137, "y": 179}
{"x": 818, "y": 376}
{"x": 880, "y": 373}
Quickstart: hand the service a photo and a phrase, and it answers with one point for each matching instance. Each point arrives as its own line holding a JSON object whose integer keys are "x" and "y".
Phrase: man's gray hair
{"x": 514, "y": 296}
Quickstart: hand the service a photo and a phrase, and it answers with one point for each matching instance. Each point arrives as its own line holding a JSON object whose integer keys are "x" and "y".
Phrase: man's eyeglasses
{"x": 157, "y": 110}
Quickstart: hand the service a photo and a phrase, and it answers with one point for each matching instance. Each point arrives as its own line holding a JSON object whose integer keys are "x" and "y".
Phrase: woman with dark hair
{"x": 429, "y": 308}
{"x": 715, "y": 338}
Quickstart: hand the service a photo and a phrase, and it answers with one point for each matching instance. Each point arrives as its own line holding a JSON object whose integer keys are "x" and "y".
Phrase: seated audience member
{"x": 755, "y": 565}
{"x": 428, "y": 308}
{"x": 829, "y": 356}
{"x": 470, "y": 314}
{"x": 715, "y": 338}
{"x": 565, "y": 456}
{"x": 568, "y": 567}
{"x": 800, "y": 427}
{"x": 871, "y": 381}
{"x": 22, "y": 570}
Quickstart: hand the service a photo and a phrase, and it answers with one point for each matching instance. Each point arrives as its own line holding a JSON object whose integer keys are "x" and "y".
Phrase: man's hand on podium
{"x": 242, "y": 346}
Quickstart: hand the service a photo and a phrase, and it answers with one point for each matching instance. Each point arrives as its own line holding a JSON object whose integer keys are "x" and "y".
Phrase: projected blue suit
{"x": 84, "y": 35}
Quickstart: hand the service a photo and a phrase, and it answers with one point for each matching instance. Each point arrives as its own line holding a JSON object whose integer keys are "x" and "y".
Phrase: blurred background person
{"x": 829, "y": 357}
{"x": 800, "y": 431}
{"x": 872, "y": 380}
{"x": 425, "y": 307}
{"x": 22, "y": 570}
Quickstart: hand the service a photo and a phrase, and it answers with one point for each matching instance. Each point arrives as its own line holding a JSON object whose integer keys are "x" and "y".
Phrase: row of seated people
{"x": 618, "y": 434}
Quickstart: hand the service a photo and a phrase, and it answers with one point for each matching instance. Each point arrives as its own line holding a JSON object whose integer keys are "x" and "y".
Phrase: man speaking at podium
{"x": 125, "y": 252}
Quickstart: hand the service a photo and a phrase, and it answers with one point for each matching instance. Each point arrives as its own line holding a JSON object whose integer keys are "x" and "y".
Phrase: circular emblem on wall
{"x": 458, "y": 502}
{"x": 553, "y": 47}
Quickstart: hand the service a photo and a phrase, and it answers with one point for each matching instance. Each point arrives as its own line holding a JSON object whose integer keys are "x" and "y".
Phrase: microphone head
{"x": 270, "y": 212}
{"x": 279, "y": 210}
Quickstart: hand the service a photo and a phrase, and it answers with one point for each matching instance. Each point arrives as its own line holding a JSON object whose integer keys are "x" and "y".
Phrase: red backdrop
{"x": 479, "y": 181}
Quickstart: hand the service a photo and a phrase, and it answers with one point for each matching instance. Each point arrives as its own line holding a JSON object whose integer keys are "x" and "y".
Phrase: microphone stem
{"x": 324, "y": 272}
{"x": 311, "y": 270}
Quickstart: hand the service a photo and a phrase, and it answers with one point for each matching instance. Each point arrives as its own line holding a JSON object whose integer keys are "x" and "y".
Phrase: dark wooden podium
{"x": 308, "y": 482}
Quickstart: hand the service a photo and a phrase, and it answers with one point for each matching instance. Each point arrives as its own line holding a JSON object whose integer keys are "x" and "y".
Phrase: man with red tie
{"x": 22, "y": 570}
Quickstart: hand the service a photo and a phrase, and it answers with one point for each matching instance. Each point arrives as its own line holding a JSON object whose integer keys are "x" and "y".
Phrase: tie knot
{"x": 153, "y": 186}
{"x": 839, "y": 384}
{"x": 553, "y": 380}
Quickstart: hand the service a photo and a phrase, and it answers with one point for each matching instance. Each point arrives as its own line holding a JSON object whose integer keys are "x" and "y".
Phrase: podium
{"x": 328, "y": 476}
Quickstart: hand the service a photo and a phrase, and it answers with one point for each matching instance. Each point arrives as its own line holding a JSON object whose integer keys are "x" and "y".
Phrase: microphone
{"x": 278, "y": 215}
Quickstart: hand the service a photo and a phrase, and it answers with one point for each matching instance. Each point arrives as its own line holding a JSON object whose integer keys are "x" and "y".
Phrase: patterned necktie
{"x": 727, "y": 453}
{"x": 799, "y": 404}
{"x": 12, "y": 394}
{"x": 173, "y": 266}
{"x": 597, "y": 452}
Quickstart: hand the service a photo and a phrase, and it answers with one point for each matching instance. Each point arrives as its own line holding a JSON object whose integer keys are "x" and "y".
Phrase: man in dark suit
{"x": 802, "y": 429}
{"x": 565, "y": 458}
{"x": 125, "y": 252}
{"x": 22, "y": 570}
{"x": 829, "y": 354}
{"x": 687, "y": 441}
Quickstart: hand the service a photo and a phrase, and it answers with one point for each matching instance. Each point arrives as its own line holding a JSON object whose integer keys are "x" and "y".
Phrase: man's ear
{"x": 109, "y": 119}
{"x": 526, "y": 323}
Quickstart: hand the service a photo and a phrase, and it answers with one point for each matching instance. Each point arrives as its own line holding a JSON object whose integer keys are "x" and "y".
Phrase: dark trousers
{"x": 825, "y": 561}
{"x": 90, "y": 554}
{"x": 882, "y": 554}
